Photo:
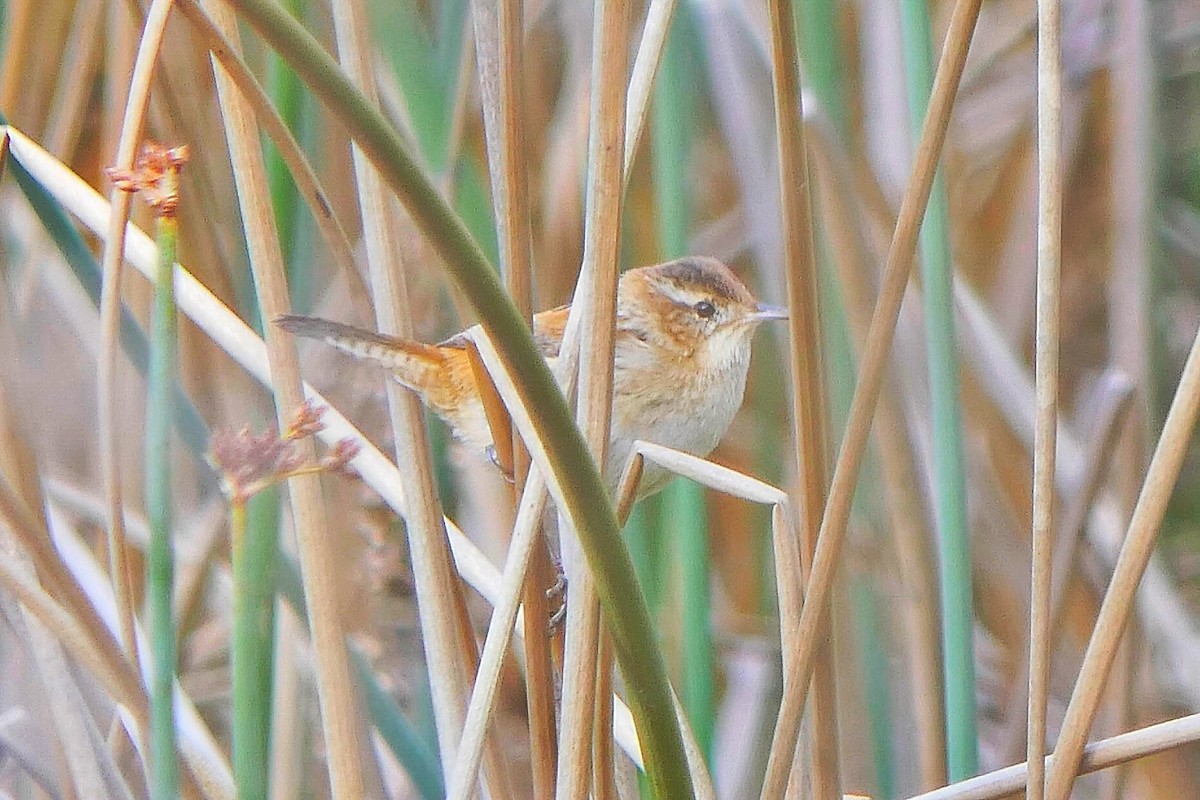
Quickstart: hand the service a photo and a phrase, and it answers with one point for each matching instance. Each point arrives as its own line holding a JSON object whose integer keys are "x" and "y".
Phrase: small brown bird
{"x": 682, "y": 351}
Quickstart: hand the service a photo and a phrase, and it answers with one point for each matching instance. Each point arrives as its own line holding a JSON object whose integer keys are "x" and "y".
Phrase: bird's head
{"x": 695, "y": 307}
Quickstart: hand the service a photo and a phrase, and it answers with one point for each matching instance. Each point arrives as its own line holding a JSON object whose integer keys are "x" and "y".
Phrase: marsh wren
{"x": 682, "y": 351}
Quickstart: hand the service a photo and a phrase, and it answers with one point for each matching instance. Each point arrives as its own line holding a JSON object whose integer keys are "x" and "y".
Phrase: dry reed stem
{"x": 714, "y": 476}
{"x": 1131, "y": 564}
{"x": 335, "y": 691}
{"x": 308, "y": 186}
{"x": 499, "y": 44}
{"x": 810, "y": 421}
{"x": 896, "y": 272}
{"x": 495, "y": 765}
{"x": 59, "y": 564}
{"x": 118, "y": 682}
{"x": 87, "y": 758}
{"x": 233, "y": 336}
{"x": 1115, "y": 404}
{"x": 77, "y": 74}
{"x": 1168, "y": 627}
{"x": 112, "y": 266}
{"x": 287, "y": 708}
{"x": 906, "y": 512}
{"x": 1049, "y": 269}
{"x": 1098, "y": 755}
{"x": 597, "y": 313}
{"x": 461, "y": 773}
{"x": 432, "y": 570}
{"x": 578, "y": 706}
{"x": 641, "y": 78}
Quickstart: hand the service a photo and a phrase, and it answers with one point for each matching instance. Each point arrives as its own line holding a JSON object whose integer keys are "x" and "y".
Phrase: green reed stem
{"x": 255, "y": 553}
{"x": 950, "y": 492}
{"x": 685, "y": 517}
{"x": 287, "y": 95}
{"x": 164, "y": 767}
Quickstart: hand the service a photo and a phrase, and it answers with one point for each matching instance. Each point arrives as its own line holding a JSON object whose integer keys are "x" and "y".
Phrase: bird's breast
{"x": 687, "y": 410}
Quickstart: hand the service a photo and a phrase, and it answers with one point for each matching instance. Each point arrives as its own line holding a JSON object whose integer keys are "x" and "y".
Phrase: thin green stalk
{"x": 685, "y": 517}
{"x": 286, "y": 93}
{"x": 866, "y": 629}
{"x": 255, "y": 552}
{"x": 410, "y": 749}
{"x": 645, "y": 548}
{"x": 958, "y": 617}
{"x": 870, "y": 635}
{"x": 473, "y": 205}
{"x": 687, "y": 527}
{"x": 820, "y": 43}
{"x": 821, "y": 46}
{"x": 164, "y": 767}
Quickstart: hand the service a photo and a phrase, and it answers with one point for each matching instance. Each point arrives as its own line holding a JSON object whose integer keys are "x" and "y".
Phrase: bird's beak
{"x": 765, "y": 312}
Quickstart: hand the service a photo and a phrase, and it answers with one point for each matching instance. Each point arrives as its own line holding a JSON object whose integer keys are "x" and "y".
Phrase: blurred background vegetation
{"x": 703, "y": 181}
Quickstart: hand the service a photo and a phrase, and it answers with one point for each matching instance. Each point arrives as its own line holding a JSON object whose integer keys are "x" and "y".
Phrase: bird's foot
{"x": 495, "y": 459}
{"x": 557, "y": 594}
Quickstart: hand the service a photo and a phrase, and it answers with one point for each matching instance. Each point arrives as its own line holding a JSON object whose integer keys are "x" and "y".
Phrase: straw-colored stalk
{"x": 85, "y": 768}
{"x": 499, "y": 46}
{"x": 805, "y": 347}
{"x": 905, "y": 506}
{"x": 301, "y": 170}
{"x": 596, "y": 310}
{"x": 334, "y": 689}
{"x": 1103, "y": 754}
{"x": 432, "y": 568}
{"x": 1131, "y": 564}
{"x": 879, "y": 339}
{"x": 1049, "y": 267}
{"x": 1105, "y": 432}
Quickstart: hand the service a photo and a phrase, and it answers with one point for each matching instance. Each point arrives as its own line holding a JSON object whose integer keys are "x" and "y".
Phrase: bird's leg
{"x": 558, "y": 593}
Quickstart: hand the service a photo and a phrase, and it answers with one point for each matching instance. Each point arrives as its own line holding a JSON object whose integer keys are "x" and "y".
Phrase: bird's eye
{"x": 705, "y": 309}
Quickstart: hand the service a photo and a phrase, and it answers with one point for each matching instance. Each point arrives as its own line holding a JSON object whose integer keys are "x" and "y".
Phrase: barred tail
{"x": 414, "y": 364}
